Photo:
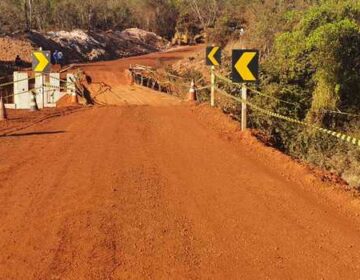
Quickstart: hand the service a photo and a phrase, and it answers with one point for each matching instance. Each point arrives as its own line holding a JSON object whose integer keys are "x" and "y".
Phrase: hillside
{"x": 81, "y": 46}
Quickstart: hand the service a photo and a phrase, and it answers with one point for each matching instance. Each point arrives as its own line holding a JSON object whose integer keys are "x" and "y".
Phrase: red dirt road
{"x": 111, "y": 76}
{"x": 165, "y": 192}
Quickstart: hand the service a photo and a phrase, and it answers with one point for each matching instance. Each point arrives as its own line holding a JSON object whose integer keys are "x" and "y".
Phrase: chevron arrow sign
{"x": 41, "y": 61}
{"x": 245, "y": 66}
{"x": 213, "y": 56}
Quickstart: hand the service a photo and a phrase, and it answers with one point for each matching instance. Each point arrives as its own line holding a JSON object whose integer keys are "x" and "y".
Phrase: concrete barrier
{"x": 47, "y": 90}
{"x": 21, "y": 91}
{"x": 53, "y": 92}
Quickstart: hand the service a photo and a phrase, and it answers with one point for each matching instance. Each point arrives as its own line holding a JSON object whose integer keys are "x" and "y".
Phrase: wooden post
{"x": 212, "y": 97}
{"x": 243, "y": 107}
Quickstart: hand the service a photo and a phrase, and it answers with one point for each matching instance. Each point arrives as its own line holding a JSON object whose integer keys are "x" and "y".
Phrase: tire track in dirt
{"x": 94, "y": 210}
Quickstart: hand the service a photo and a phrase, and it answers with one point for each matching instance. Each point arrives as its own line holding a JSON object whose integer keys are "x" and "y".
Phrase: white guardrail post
{"x": 212, "y": 96}
{"x": 243, "y": 107}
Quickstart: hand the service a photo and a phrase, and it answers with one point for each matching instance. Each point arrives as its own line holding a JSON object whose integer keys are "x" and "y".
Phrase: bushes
{"x": 311, "y": 61}
{"x": 317, "y": 65}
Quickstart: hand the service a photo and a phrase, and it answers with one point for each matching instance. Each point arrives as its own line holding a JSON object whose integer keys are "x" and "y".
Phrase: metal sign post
{"x": 213, "y": 58}
{"x": 243, "y": 107}
{"x": 43, "y": 89}
{"x": 41, "y": 64}
{"x": 212, "y": 96}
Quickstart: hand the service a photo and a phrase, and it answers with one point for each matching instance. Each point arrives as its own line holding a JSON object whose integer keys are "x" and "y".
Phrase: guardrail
{"x": 146, "y": 76}
{"x": 71, "y": 85}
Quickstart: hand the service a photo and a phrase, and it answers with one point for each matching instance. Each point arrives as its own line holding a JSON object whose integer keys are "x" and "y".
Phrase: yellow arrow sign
{"x": 212, "y": 54}
{"x": 41, "y": 63}
{"x": 242, "y": 66}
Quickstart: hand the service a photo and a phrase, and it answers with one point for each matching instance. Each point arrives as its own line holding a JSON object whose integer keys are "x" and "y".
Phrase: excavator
{"x": 185, "y": 38}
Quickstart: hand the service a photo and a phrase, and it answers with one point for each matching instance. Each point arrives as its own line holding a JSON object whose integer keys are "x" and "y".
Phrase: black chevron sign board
{"x": 213, "y": 56}
{"x": 245, "y": 66}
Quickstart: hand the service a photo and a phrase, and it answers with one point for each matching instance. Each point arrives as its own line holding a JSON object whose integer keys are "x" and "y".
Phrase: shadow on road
{"x": 33, "y": 133}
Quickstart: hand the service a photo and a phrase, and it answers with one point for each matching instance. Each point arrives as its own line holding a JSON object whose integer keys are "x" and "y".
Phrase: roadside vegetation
{"x": 316, "y": 64}
{"x": 311, "y": 60}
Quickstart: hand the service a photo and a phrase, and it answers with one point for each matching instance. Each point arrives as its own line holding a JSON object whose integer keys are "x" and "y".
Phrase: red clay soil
{"x": 113, "y": 72}
{"x": 18, "y": 120}
{"x": 165, "y": 192}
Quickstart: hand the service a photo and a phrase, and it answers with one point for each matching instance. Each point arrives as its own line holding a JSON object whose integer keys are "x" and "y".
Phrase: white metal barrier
{"x": 47, "y": 89}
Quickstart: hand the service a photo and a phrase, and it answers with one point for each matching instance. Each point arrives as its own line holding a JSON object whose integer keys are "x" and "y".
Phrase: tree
{"x": 206, "y": 11}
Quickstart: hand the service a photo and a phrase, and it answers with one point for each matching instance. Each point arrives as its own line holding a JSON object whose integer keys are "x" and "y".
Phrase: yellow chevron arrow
{"x": 43, "y": 62}
{"x": 242, "y": 66}
{"x": 211, "y": 56}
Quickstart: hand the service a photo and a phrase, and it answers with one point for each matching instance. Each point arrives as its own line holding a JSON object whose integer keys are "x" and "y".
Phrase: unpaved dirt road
{"x": 165, "y": 190}
{"x": 111, "y": 75}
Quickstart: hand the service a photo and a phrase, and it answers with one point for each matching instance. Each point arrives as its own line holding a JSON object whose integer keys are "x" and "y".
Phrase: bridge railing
{"x": 47, "y": 87}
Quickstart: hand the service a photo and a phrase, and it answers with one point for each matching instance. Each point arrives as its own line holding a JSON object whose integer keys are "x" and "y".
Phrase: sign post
{"x": 243, "y": 107}
{"x": 41, "y": 64}
{"x": 245, "y": 69}
{"x": 213, "y": 58}
{"x": 212, "y": 96}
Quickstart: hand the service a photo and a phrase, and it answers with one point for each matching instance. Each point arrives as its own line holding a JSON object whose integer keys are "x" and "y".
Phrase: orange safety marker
{"x": 192, "y": 92}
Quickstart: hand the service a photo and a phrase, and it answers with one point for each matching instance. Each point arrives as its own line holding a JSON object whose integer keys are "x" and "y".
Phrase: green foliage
{"x": 320, "y": 55}
{"x": 328, "y": 12}
{"x": 316, "y": 64}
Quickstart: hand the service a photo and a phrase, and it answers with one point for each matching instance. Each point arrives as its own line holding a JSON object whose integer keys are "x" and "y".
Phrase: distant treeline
{"x": 160, "y": 16}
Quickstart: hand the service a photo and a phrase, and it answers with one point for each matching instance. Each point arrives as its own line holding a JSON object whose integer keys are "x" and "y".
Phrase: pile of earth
{"x": 81, "y": 46}
{"x": 108, "y": 45}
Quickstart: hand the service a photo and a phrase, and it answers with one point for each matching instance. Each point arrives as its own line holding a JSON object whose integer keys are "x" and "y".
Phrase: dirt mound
{"x": 81, "y": 46}
{"x": 10, "y": 47}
